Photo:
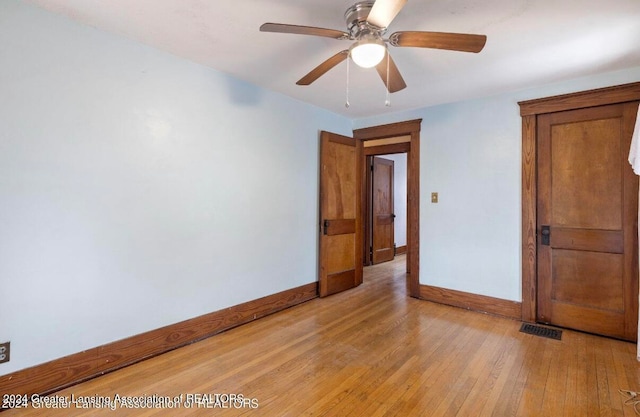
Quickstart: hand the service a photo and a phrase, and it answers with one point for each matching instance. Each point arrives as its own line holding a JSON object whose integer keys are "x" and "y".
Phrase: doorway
{"x": 385, "y": 224}
{"x": 398, "y": 138}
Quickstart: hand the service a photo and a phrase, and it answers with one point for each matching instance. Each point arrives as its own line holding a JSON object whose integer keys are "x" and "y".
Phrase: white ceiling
{"x": 530, "y": 43}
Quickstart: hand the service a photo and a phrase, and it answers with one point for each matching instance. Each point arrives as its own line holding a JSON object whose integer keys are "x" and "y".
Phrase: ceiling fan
{"x": 367, "y": 23}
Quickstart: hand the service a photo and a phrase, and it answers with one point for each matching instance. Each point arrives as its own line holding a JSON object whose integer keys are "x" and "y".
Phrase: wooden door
{"x": 340, "y": 216}
{"x": 382, "y": 220}
{"x": 587, "y": 213}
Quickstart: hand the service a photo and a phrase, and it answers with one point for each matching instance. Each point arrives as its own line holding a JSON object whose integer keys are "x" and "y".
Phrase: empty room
{"x": 319, "y": 208}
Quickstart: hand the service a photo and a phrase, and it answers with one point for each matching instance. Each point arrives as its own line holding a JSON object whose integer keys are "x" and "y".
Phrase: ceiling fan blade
{"x": 384, "y": 11}
{"x": 396, "y": 82}
{"x": 321, "y": 69}
{"x": 439, "y": 40}
{"x": 303, "y": 30}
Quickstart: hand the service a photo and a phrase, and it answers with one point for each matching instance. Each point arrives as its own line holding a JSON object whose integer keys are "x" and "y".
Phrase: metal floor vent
{"x": 541, "y": 331}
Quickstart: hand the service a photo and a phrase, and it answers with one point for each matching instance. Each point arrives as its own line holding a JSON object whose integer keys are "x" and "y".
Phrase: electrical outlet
{"x": 5, "y": 350}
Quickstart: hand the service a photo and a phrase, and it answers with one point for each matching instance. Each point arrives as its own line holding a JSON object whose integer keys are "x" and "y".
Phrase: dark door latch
{"x": 546, "y": 235}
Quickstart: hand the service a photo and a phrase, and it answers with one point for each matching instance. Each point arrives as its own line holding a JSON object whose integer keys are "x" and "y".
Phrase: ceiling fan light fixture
{"x": 368, "y": 52}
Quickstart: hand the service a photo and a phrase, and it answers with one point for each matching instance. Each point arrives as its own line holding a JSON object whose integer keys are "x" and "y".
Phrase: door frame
{"x": 411, "y": 146}
{"x": 529, "y": 111}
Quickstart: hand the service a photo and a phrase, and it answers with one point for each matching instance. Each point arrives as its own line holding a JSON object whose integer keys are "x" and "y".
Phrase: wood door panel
{"x": 340, "y": 253}
{"x": 602, "y": 322}
{"x": 340, "y": 214}
{"x": 591, "y": 279}
{"x": 383, "y": 255}
{"x": 339, "y": 226}
{"x": 341, "y": 183}
{"x": 587, "y": 199}
{"x": 611, "y": 241}
{"x": 382, "y": 207}
{"x": 586, "y": 186}
{"x": 340, "y": 281}
{"x": 383, "y": 248}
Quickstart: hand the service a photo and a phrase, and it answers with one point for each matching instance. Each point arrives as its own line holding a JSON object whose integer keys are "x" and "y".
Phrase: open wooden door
{"x": 587, "y": 208}
{"x": 340, "y": 214}
{"x": 382, "y": 248}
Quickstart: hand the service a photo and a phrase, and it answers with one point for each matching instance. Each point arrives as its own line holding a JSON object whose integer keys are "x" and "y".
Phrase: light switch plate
{"x": 5, "y": 351}
{"x": 434, "y": 197}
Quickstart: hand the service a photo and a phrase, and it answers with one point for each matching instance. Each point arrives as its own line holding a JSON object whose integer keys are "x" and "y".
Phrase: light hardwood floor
{"x": 373, "y": 351}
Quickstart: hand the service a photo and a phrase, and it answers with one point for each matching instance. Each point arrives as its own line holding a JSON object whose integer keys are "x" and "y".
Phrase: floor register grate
{"x": 541, "y": 331}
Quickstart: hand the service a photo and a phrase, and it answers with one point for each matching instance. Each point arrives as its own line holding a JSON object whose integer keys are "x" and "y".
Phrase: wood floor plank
{"x": 573, "y": 387}
{"x": 490, "y": 380}
{"x": 503, "y": 398}
{"x": 553, "y": 400}
{"x": 373, "y": 351}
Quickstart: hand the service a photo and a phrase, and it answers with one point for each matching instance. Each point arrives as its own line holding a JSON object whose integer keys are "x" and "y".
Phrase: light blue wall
{"x": 138, "y": 189}
{"x": 470, "y": 153}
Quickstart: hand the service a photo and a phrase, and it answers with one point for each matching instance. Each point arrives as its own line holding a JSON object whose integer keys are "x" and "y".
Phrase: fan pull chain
{"x": 346, "y": 104}
{"x": 387, "y": 102}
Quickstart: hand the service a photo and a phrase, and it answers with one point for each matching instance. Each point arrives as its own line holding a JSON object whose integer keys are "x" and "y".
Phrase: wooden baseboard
{"x": 401, "y": 249}
{"x": 61, "y": 373}
{"x": 475, "y": 302}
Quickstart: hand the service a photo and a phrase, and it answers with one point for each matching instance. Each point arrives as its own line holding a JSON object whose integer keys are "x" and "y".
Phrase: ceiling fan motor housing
{"x": 356, "y": 18}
